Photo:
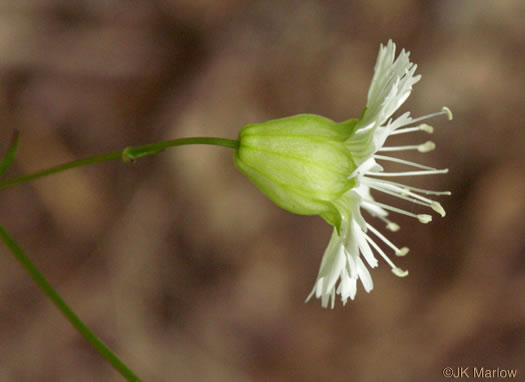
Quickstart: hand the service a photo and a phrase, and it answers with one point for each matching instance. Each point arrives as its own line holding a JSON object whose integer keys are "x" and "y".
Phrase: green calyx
{"x": 300, "y": 162}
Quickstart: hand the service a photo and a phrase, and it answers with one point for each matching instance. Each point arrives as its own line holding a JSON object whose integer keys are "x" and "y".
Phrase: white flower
{"x": 311, "y": 165}
{"x": 353, "y": 245}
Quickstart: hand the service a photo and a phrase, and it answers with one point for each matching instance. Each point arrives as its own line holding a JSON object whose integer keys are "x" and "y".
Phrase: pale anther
{"x": 447, "y": 111}
{"x": 391, "y": 226}
{"x": 426, "y": 128}
{"x": 426, "y": 147}
{"x": 438, "y": 208}
{"x": 399, "y": 272}
{"x": 423, "y": 218}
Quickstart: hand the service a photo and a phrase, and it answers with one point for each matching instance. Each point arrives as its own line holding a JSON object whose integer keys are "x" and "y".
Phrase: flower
{"x": 311, "y": 165}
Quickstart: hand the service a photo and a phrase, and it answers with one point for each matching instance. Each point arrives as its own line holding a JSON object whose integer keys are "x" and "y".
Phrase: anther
{"x": 409, "y": 173}
{"x": 426, "y": 147}
{"x": 438, "y": 208}
{"x": 423, "y": 218}
{"x": 447, "y": 111}
{"x": 402, "y": 251}
{"x": 399, "y": 272}
{"x": 391, "y": 226}
{"x": 426, "y": 128}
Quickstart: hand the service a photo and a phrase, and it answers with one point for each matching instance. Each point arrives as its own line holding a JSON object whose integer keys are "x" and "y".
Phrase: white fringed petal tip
{"x": 342, "y": 264}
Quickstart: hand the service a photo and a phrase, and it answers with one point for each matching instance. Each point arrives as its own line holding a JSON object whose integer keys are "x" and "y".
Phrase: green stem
{"x": 127, "y": 155}
{"x": 44, "y": 285}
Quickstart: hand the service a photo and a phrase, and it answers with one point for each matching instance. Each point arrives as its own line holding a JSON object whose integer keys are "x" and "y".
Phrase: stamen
{"x": 399, "y": 148}
{"x": 395, "y": 187}
{"x": 399, "y": 252}
{"x": 423, "y": 218}
{"x": 399, "y": 272}
{"x": 423, "y": 127}
{"x": 397, "y": 160}
{"x": 428, "y": 192}
{"x": 403, "y": 194}
{"x": 409, "y": 173}
{"x": 444, "y": 110}
{"x": 422, "y": 148}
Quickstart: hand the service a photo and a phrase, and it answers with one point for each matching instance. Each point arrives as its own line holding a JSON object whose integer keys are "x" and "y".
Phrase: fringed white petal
{"x": 342, "y": 264}
{"x": 390, "y": 87}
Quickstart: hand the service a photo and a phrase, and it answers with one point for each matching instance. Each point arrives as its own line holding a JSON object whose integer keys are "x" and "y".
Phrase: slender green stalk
{"x": 44, "y": 285}
{"x": 129, "y": 154}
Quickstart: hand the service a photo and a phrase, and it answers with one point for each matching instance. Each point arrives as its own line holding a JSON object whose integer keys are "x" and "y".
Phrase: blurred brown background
{"x": 180, "y": 263}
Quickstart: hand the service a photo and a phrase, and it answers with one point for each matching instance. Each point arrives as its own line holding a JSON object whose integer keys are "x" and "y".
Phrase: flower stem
{"x": 127, "y": 155}
{"x": 44, "y": 285}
